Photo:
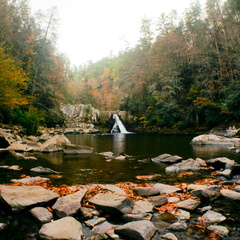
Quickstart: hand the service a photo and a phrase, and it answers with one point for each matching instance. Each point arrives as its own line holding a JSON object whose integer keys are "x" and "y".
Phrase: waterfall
{"x": 118, "y": 125}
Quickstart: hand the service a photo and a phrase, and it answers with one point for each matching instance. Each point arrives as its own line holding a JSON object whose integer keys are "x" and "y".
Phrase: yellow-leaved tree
{"x": 13, "y": 83}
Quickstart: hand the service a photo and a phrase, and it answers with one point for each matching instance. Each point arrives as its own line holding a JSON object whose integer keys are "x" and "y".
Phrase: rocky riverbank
{"x": 32, "y": 208}
{"x": 150, "y": 210}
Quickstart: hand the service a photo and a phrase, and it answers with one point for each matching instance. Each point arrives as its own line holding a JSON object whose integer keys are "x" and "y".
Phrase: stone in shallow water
{"x": 19, "y": 197}
{"x": 67, "y": 228}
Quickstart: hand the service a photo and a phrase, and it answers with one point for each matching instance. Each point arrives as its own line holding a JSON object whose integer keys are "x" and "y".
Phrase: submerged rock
{"x": 140, "y": 230}
{"x": 67, "y": 228}
{"x": 76, "y": 149}
{"x": 20, "y": 197}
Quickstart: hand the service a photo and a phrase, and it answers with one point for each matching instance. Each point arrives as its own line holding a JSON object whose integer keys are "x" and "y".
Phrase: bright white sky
{"x": 93, "y": 29}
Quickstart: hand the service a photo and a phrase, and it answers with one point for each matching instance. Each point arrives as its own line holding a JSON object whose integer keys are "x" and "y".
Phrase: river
{"x": 78, "y": 169}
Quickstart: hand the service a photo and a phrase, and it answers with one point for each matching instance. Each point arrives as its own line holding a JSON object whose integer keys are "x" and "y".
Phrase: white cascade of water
{"x": 118, "y": 125}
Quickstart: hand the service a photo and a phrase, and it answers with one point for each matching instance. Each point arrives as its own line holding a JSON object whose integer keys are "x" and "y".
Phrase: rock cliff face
{"x": 80, "y": 118}
{"x": 75, "y": 114}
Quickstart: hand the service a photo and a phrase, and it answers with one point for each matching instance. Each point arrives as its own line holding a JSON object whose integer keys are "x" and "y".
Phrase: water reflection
{"x": 119, "y": 140}
{"x": 212, "y": 151}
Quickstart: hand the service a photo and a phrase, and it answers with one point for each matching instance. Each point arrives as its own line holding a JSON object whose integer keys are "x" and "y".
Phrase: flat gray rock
{"x": 30, "y": 180}
{"x": 140, "y": 230}
{"x": 213, "y": 217}
{"x": 186, "y": 165}
{"x": 167, "y": 158}
{"x": 113, "y": 188}
{"x": 178, "y": 226}
{"x": 209, "y": 194}
{"x": 230, "y": 194}
{"x": 142, "y": 207}
{"x": 220, "y": 230}
{"x": 164, "y": 188}
{"x": 69, "y": 205}
{"x": 19, "y": 197}
{"x": 146, "y": 191}
{"x": 222, "y": 162}
{"x": 67, "y": 228}
{"x": 189, "y": 204}
{"x": 136, "y": 217}
{"x": 42, "y": 214}
{"x": 112, "y": 203}
{"x": 44, "y": 170}
{"x": 158, "y": 201}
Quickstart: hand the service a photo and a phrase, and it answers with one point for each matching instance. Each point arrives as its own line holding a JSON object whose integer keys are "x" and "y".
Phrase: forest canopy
{"x": 184, "y": 74}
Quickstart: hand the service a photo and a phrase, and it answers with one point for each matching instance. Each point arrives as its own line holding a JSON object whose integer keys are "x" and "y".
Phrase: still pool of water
{"x": 78, "y": 169}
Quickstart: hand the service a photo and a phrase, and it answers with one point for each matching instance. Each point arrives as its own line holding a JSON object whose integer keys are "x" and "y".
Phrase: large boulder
{"x": 20, "y": 197}
{"x": 55, "y": 143}
{"x": 70, "y": 204}
{"x": 140, "y": 230}
{"x": 67, "y": 228}
{"x": 112, "y": 203}
{"x": 211, "y": 139}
